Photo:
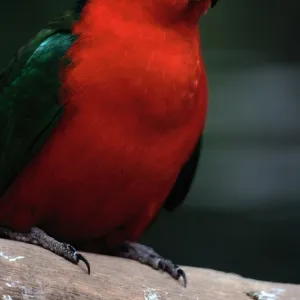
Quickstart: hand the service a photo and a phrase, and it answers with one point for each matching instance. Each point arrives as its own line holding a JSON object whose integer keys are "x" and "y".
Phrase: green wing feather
{"x": 29, "y": 102}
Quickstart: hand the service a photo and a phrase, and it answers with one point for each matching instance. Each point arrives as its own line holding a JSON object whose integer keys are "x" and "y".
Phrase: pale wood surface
{"x": 29, "y": 272}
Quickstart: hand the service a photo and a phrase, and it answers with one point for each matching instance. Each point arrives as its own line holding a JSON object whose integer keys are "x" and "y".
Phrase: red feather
{"x": 135, "y": 104}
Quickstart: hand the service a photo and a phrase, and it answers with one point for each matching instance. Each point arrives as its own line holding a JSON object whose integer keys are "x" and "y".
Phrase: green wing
{"x": 29, "y": 103}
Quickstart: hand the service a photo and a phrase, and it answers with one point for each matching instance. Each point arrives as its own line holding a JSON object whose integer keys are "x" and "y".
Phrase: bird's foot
{"x": 38, "y": 237}
{"x": 148, "y": 256}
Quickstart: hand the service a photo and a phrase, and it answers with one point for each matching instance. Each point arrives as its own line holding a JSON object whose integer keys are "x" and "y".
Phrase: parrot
{"x": 102, "y": 116}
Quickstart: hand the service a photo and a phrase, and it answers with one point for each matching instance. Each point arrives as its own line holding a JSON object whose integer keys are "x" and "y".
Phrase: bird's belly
{"x": 90, "y": 180}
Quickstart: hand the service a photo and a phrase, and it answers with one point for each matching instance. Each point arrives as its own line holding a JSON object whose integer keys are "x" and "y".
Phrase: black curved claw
{"x": 173, "y": 270}
{"x": 182, "y": 274}
{"x": 85, "y": 261}
{"x": 75, "y": 257}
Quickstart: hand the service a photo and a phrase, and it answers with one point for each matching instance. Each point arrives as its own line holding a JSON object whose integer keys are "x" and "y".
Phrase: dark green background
{"x": 243, "y": 214}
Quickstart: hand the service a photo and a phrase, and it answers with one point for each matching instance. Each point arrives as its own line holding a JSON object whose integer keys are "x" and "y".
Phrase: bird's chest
{"x": 153, "y": 77}
{"x": 139, "y": 107}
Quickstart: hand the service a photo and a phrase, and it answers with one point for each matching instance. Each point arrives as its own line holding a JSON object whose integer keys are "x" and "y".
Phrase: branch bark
{"x": 30, "y": 272}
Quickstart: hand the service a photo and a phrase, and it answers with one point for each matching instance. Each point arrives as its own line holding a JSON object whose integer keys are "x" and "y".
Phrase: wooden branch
{"x": 30, "y": 272}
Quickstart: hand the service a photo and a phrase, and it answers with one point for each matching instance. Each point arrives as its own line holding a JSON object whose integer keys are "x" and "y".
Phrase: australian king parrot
{"x": 101, "y": 119}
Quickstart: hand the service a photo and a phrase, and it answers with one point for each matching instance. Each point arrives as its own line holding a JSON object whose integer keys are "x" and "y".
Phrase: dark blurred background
{"x": 243, "y": 213}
